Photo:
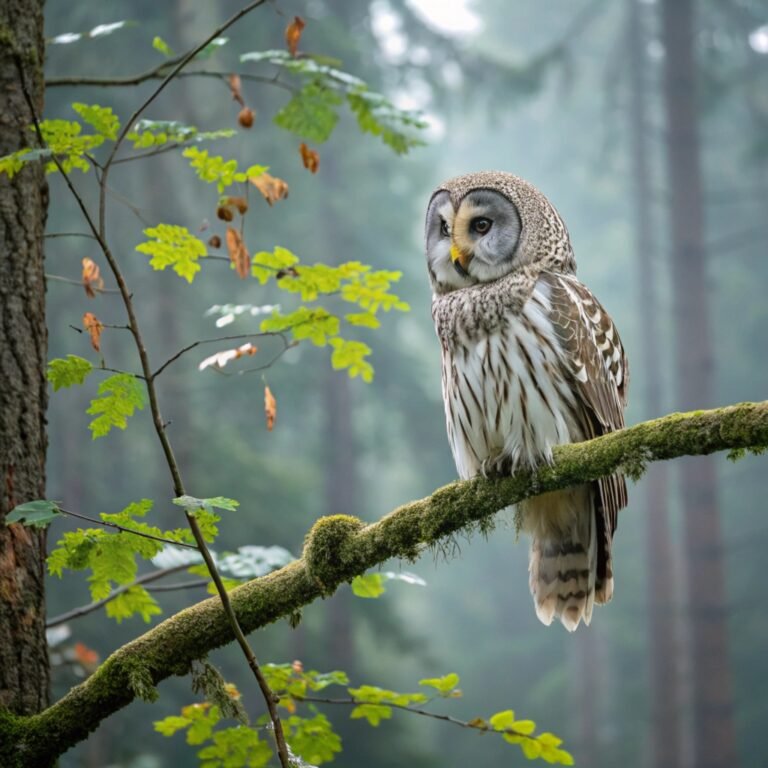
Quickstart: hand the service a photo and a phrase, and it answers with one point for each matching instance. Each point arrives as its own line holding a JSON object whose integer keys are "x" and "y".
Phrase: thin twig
{"x": 51, "y": 235}
{"x": 123, "y": 529}
{"x": 476, "y": 725}
{"x": 83, "y": 610}
{"x": 156, "y": 74}
{"x": 236, "y": 337}
{"x": 152, "y": 153}
{"x": 178, "y": 485}
{"x": 70, "y": 281}
{"x": 179, "y": 585}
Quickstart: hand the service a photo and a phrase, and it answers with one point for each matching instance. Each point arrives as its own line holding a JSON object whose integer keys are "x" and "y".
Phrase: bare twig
{"x": 123, "y": 529}
{"x": 476, "y": 725}
{"x": 158, "y": 73}
{"x": 70, "y": 281}
{"x": 179, "y": 585}
{"x": 83, "y": 610}
{"x": 51, "y": 235}
{"x": 236, "y": 337}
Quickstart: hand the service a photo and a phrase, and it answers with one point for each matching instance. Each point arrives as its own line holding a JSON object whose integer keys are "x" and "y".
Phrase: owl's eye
{"x": 481, "y": 225}
{"x": 444, "y": 228}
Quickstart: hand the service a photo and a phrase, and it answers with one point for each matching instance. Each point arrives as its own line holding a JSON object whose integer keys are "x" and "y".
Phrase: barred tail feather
{"x": 563, "y": 560}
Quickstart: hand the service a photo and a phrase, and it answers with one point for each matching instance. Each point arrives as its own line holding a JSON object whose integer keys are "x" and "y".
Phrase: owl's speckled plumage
{"x": 530, "y": 360}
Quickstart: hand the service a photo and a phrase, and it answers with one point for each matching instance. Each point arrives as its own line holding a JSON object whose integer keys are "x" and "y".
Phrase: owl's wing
{"x": 598, "y": 367}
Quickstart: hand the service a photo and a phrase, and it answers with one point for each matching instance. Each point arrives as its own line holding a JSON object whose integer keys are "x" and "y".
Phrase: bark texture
{"x": 340, "y": 547}
{"x": 714, "y": 735}
{"x": 24, "y": 674}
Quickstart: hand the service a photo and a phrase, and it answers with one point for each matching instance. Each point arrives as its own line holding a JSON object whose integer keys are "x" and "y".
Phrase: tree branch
{"x": 341, "y": 547}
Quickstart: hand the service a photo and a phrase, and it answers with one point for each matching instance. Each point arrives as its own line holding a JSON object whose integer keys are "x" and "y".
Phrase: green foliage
{"x": 102, "y": 119}
{"x": 312, "y": 112}
{"x": 66, "y": 373}
{"x": 194, "y": 505}
{"x": 312, "y": 739}
{"x": 291, "y": 681}
{"x": 446, "y": 686}
{"x": 160, "y": 45}
{"x": 35, "y": 514}
{"x": 174, "y": 246}
{"x": 313, "y": 324}
{"x": 350, "y": 355}
{"x": 214, "y": 169}
{"x": 156, "y": 133}
{"x": 120, "y": 394}
{"x": 112, "y": 558}
{"x": 369, "y": 585}
{"x": 544, "y": 745}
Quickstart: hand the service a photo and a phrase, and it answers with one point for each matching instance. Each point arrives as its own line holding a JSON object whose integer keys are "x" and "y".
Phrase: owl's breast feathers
{"x": 529, "y": 361}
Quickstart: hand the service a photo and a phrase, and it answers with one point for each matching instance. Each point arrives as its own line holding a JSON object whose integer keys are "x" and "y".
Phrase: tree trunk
{"x": 665, "y": 729}
{"x": 714, "y": 737}
{"x": 24, "y": 672}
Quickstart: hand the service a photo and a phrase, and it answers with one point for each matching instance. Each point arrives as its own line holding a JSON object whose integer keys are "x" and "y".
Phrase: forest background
{"x": 548, "y": 91}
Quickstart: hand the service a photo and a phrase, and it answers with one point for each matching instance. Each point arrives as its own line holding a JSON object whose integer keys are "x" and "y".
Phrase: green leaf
{"x": 121, "y": 395}
{"x": 173, "y": 246}
{"x": 373, "y": 713}
{"x": 446, "y": 686}
{"x": 317, "y": 325}
{"x": 214, "y": 169}
{"x": 370, "y": 585}
{"x": 63, "y": 138}
{"x": 171, "y": 724}
{"x": 103, "y": 119}
{"x": 312, "y": 739}
{"x": 235, "y": 747}
{"x": 350, "y": 355}
{"x": 194, "y": 505}
{"x": 364, "y": 319}
{"x": 311, "y": 113}
{"x": 36, "y": 514}
{"x": 155, "y": 133}
{"x": 160, "y": 45}
{"x": 65, "y": 373}
{"x": 135, "y": 600}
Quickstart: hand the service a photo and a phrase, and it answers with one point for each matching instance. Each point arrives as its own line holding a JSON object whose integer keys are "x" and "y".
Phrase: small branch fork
{"x": 99, "y": 233}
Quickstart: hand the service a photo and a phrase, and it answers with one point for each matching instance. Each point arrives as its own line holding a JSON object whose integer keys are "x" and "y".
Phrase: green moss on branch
{"x": 340, "y": 547}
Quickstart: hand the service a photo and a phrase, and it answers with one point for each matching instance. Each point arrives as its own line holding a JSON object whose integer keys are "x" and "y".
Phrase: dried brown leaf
{"x": 271, "y": 187}
{"x": 214, "y": 241}
{"x": 293, "y": 34}
{"x": 91, "y": 278}
{"x": 236, "y": 86}
{"x": 270, "y": 408}
{"x": 310, "y": 158}
{"x": 237, "y": 202}
{"x": 224, "y": 213}
{"x": 238, "y": 253}
{"x": 94, "y": 327}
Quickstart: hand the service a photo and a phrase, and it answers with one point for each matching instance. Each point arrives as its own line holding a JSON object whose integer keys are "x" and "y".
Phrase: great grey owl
{"x": 530, "y": 359}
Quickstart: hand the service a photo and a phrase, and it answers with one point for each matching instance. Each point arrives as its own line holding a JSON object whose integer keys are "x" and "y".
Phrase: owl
{"x": 530, "y": 360}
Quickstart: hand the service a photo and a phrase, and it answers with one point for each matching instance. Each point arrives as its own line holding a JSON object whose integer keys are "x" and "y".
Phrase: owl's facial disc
{"x": 485, "y": 235}
{"x": 446, "y": 272}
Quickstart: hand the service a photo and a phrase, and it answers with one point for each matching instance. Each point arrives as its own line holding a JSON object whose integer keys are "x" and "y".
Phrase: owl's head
{"x": 482, "y": 226}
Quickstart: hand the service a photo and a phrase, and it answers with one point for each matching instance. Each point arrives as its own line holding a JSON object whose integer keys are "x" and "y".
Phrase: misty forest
{"x": 279, "y": 489}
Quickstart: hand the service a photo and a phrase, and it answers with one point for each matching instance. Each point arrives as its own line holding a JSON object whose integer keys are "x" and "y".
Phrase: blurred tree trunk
{"x": 24, "y": 671}
{"x": 662, "y": 593}
{"x": 714, "y": 737}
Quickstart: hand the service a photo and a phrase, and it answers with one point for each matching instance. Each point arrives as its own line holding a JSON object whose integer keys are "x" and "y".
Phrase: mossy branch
{"x": 340, "y": 547}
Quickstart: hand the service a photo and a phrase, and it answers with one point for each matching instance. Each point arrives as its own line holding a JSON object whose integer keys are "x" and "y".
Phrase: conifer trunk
{"x": 24, "y": 671}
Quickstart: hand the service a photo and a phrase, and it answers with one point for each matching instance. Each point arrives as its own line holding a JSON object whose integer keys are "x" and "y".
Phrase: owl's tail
{"x": 564, "y": 556}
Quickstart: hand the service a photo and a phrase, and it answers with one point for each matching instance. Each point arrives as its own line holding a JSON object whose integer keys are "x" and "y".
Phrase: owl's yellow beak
{"x": 460, "y": 259}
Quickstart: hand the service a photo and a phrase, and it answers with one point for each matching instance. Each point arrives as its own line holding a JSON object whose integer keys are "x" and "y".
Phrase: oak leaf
{"x": 271, "y": 187}
{"x": 270, "y": 408}
{"x": 94, "y": 326}
{"x": 91, "y": 278}
{"x": 238, "y": 253}
{"x": 310, "y": 158}
{"x": 237, "y": 202}
{"x": 293, "y": 34}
